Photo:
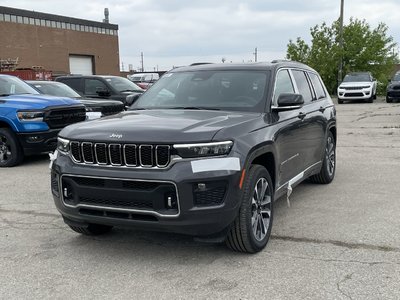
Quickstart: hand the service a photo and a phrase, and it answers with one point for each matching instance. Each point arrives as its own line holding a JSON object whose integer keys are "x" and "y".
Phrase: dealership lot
{"x": 337, "y": 241}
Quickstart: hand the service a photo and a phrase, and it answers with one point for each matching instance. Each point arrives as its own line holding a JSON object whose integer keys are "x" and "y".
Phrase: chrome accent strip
{"x": 169, "y": 155}
{"x": 299, "y": 176}
{"x": 121, "y": 209}
{"x": 179, "y": 146}
{"x": 83, "y": 152}
{"x": 120, "y": 154}
{"x": 95, "y": 153}
{"x": 151, "y": 153}
{"x": 124, "y": 153}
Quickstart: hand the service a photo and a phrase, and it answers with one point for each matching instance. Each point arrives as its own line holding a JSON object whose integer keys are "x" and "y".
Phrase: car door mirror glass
{"x": 290, "y": 99}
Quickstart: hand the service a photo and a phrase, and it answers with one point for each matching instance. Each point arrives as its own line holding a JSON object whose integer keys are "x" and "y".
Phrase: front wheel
{"x": 328, "y": 169}
{"x": 10, "y": 151}
{"x": 251, "y": 230}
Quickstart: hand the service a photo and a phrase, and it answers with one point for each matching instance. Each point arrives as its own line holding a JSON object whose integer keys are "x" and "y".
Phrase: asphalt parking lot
{"x": 337, "y": 241}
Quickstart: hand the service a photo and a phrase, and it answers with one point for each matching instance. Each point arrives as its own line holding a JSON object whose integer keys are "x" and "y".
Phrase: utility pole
{"x": 141, "y": 61}
{"x": 340, "y": 72}
{"x": 255, "y": 54}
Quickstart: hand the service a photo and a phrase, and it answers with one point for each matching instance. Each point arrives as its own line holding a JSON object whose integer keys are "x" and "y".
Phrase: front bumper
{"x": 355, "y": 94}
{"x": 393, "y": 94}
{"x": 174, "y": 199}
{"x": 39, "y": 141}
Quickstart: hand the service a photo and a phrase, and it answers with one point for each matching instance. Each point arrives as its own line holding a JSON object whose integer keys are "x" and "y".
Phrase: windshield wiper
{"x": 194, "y": 108}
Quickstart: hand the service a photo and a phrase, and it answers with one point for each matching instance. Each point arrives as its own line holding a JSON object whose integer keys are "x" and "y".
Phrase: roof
{"x": 275, "y": 64}
{"x": 57, "y": 18}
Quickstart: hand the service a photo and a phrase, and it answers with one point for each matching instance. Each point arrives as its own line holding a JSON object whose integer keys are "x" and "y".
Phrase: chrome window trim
{"x": 144, "y": 212}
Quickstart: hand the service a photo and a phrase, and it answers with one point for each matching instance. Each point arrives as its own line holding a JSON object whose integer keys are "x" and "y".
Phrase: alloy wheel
{"x": 261, "y": 209}
{"x": 330, "y": 155}
{"x": 5, "y": 149}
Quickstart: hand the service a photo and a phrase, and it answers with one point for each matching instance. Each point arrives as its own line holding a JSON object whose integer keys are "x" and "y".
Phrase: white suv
{"x": 357, "y": 86}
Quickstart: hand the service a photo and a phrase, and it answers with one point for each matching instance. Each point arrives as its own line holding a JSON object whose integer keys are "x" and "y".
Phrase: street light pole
{"x": 340, "y": 72}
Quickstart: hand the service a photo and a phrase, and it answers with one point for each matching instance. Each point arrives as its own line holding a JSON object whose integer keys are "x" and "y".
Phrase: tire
{"x": 91, "y": 229}
{"x": 388, "y": 100}
{"x": 243, "y": 236}
{"x": 374, "y": 96}
{"x": 370, "y": 99}
{"x": 328, "y": 168}
{"x": 340, "y": 101}
{"x": 10, "y": 150}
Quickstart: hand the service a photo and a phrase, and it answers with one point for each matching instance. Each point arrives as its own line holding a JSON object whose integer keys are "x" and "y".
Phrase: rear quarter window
{"x": 319, "y": 89}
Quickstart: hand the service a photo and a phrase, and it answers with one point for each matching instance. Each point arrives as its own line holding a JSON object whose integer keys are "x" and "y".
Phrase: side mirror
{"x": 289, "y": 101}
{"x": 102, "y": 92}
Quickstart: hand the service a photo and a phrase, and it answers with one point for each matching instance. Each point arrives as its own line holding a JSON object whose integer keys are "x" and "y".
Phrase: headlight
{"x": 30, "y": 116}
{"x": 62, "y": 145}
{"x": 203, "y": 149}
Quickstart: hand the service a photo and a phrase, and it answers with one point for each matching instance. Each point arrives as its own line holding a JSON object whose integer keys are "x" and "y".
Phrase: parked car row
{"x": 144, "y": 80}
{"x": 393, "y": 89}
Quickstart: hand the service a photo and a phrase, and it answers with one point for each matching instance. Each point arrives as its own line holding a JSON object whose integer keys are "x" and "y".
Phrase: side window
{"x": 319, "y": 89}
{"x": 73, "y": 83}
{"x": 302, "y": 85}
{"x": 283, "y": 84}
{"x": 93, "y": 85}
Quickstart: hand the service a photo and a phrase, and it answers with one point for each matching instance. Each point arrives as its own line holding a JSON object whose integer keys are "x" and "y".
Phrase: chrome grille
{"x": 130, "y": 155}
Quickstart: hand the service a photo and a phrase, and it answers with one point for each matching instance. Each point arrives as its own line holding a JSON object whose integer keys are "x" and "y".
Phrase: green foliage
{"x": 364, "y": 49}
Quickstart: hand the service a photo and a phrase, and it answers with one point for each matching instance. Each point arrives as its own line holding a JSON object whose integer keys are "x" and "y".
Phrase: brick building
{"x": 57, "y": 43}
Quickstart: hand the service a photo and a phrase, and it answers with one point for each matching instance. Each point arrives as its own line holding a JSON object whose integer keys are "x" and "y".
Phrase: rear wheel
{"x": 10, "y": 151}
{"x": 251, "y": 230}
{"x": 328, "y": 169}
{"x": 91, "y": 229}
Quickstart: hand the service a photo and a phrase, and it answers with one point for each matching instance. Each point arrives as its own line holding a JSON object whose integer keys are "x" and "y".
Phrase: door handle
{"x": 301, "y": 115}
{"x": 322, "y": 109}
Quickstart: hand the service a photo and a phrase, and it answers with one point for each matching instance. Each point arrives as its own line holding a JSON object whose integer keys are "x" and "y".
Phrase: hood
{"x": 157, "y": 126}
{"x": 356, "y": 84}
{"x": 31, "y": 101}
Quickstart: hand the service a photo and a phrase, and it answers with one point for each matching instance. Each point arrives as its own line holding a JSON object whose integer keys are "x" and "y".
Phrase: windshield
{"x": 123, "y": 84}
{"x": 228, "y": 90}
{"x": 356, "y": 77}
{"x": 396, "y": 77}
{"x": 55, "y": 89}
{"x": 10, "y": 85}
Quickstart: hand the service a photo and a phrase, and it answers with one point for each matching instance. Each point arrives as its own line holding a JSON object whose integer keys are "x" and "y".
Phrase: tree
{"x": 364, "y": 49}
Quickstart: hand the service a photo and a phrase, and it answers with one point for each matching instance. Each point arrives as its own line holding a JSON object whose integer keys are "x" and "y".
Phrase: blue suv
{"x": 29, "y": 121}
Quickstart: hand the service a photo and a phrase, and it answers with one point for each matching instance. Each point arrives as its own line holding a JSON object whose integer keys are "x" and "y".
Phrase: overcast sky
{"x": 178, "y": 32}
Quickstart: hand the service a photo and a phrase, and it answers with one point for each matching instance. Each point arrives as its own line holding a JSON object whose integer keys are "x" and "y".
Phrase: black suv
{"x": 393, "y": 89}
{"x": 204, "y": 152}
{"x": 109, "y": 87}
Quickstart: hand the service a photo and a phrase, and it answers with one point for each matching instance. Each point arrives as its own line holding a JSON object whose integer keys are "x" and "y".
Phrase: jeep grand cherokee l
{"x": 357, "y": 86}
{"x": 204, "y": 152}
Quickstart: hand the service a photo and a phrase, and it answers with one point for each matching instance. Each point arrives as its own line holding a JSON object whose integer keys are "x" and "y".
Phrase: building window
{"x": 42, "y": 22}
{"x": 103, "y": 30}
{"x": 63, "y": 25}
{"x": 7, "y": 18}
{"x": 48, "y": 23}
{"x": 87, "y": 28}
{"x": 37, "y": 22}
{"x": 31, "y": 21}
{"x": 58, "y": 24}
{"x": 68, "y": 25}
{"x": 1, "y": 17}
{"x": 26, "y": 20}
{"x": 53, "y": 24}
{"x": 90, "y": 28}
{"x": 13, "y": 19}
{"x": 20, "y": 19}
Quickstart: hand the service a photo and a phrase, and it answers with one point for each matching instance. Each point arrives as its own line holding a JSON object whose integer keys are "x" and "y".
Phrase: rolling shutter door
{"x": 80, "y": 65}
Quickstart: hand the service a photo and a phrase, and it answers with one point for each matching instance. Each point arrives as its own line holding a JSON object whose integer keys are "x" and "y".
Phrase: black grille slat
{"x": 59, "y": 118}
{"x": 115, "y": 154}
{"x": 87, "y": 152}
{"x": 146, "y": 155}
{"x": 101, "y": 153}
{"x": 76, "y": 151}
{"x": 130, "y": 155}
{"x": 162, "y": 155}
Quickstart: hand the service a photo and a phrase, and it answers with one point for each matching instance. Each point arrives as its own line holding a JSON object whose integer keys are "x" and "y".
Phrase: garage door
{"x": 82, "y": 65}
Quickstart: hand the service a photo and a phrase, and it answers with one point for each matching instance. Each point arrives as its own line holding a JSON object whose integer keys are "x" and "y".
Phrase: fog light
{"x": 201, "y": 187}
{"x": 34, "y": 139}
{"x": 170, "y": 200}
